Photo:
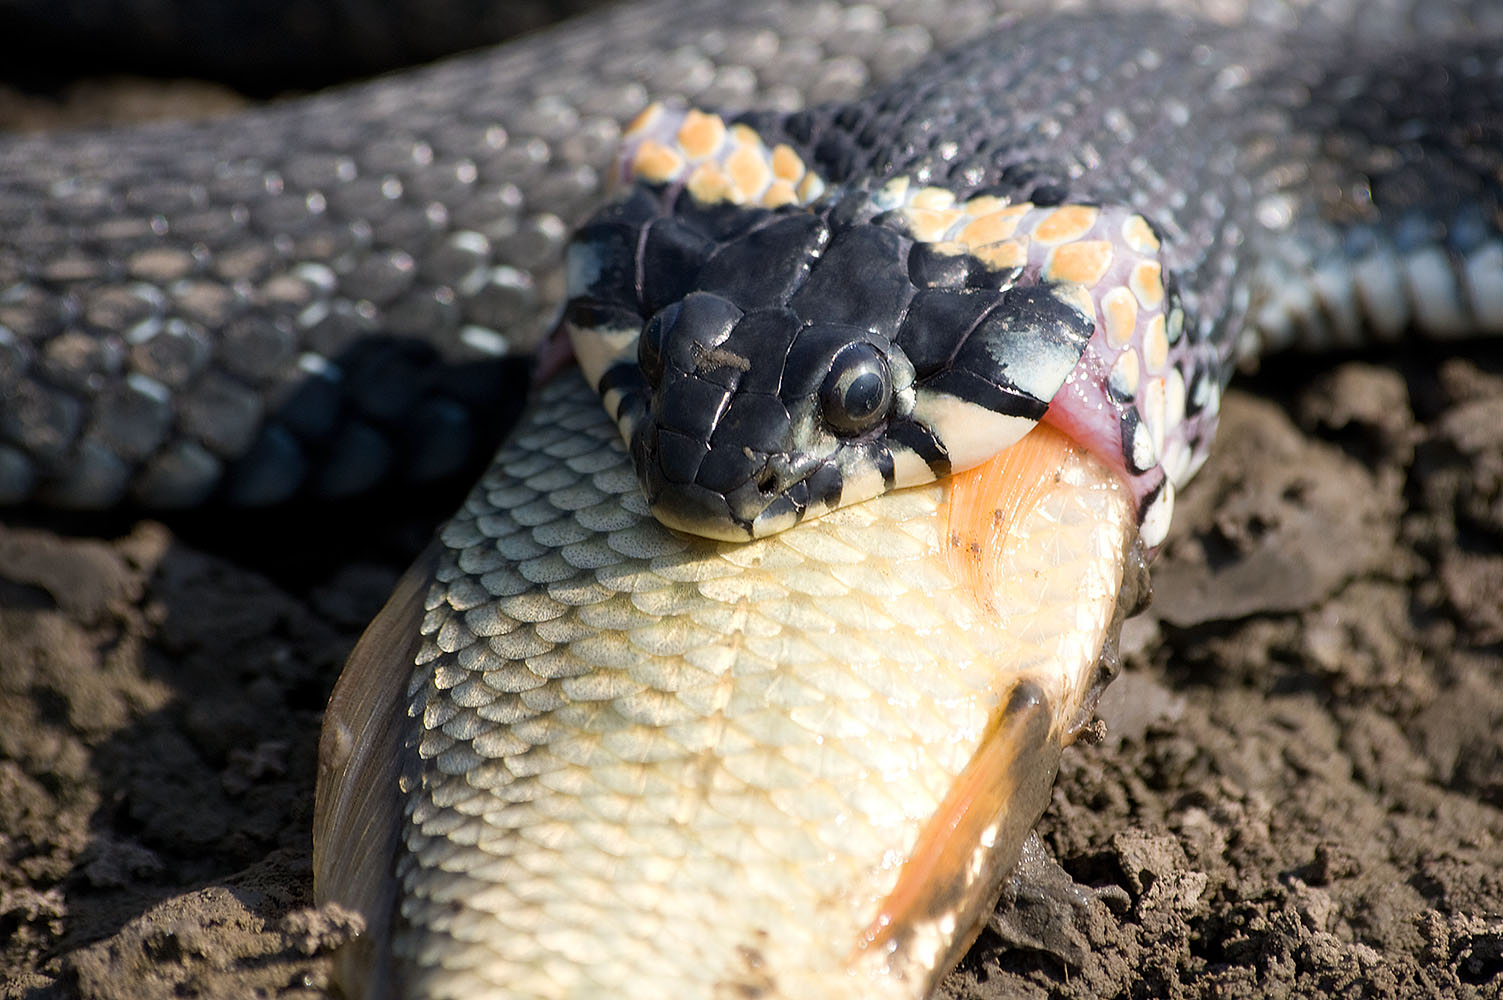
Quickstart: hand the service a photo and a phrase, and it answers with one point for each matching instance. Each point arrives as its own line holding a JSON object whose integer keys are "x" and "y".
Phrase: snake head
{"x": 769, "y": 365}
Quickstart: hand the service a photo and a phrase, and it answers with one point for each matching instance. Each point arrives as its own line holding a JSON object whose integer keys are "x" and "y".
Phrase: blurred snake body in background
{"x": 745, "y": 668}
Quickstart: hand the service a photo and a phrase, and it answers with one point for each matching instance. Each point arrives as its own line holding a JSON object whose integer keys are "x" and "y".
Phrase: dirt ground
{"x": 1300, "y": 792}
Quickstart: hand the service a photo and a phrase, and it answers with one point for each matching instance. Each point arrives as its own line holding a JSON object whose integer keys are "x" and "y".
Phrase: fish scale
{"x": 702, "y": 744}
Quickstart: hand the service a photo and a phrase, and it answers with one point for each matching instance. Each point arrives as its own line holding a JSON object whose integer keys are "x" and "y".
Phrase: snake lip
{"x": 764, "y": 494}
{"x": 695, "y": 510}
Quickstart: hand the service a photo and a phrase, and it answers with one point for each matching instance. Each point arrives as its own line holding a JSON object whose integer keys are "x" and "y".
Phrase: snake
{"x": 745, "y": 668}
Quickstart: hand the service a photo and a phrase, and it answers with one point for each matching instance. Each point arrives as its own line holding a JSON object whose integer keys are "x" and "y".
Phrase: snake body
{"x": 998, "y": 266}
{"x": 630, "y": 761}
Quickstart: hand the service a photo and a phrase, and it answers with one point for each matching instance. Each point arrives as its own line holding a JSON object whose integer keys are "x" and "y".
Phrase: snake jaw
{"x": 775, "y": 493}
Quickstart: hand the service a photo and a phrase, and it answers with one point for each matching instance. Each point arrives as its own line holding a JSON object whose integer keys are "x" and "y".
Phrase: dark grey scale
{"x": 88, "y": 472}
{"x": 383, "y": 385}
{"x": 797, "y": 129}
{"x": 677, "y": 457}
{"x": 1018, "y": 356}
{"x": 752, "y": 422}
{"x": 722, "y": 472}
{"x": 1046, "y": 193}
{"x": 266, "y": 468}
{"x": 257, "y": 346}
{"x": 671, "y": 260}
{"x": 701, "y": 323}
{"x": 439, "y": 436}
{"x": 638, "y": 206}
{"x": 690, "y": 502}
{"x": 362, "y": 456}
{"x": 651, "y": 344}
{"x": 181, "y": 475}
{"x": 720, "y": 222}
{"x": 938, "y": 321}
{"x": 836, "y": 152}
{"x": 824, "y": 487}
{"x": 72, "y": 361}
{"x": 221, "y": 413}
{"x": 174, "y": 357}
{"x": 862, "y": 281}
{"x": 931, "y": 268}
{"x": 133, "y": 420}
{"x": 359, "y": 457}
{"x": 311, "y": 408}
{"x": 848, "y": 209}
{"x": 773, "y": 332}
{"x": 794, "y": 501}
{"x": 41, "y": 421}
{"x": 690, "y": 405}
{"x": 769, "y": 263}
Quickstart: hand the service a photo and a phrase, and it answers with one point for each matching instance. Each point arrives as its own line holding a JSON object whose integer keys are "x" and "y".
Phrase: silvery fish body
{"x": 638, "y": 763}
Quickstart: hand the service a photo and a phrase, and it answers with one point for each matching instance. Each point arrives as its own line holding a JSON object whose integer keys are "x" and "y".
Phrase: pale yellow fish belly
{"x": 648, "y": 765}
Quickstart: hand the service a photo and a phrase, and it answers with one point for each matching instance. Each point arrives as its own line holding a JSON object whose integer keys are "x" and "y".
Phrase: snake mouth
{"x": 773, "y": 498}
{"x": 741, "y": 494}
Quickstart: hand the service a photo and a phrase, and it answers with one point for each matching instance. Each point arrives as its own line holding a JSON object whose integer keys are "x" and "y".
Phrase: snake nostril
{"x": 766, "y": 481}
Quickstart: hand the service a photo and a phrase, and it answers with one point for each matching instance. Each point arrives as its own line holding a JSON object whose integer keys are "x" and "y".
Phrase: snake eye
{"x": 650, "y": 343}
{"x": 857, "y": 391}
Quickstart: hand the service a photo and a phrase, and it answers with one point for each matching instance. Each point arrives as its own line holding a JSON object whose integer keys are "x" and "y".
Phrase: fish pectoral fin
{"x": 970, "y": 845}
{"x": 357, "y": 806}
